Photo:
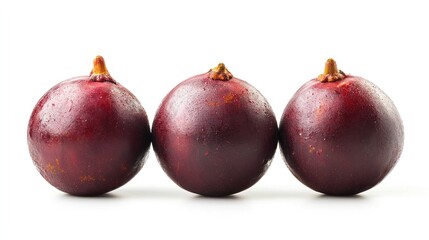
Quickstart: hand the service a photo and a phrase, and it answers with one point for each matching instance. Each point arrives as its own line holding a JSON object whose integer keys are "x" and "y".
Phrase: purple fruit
{"x": 215, "y": 134}
{"x": 340, "y": 134}
{"x": 89, "y": 135}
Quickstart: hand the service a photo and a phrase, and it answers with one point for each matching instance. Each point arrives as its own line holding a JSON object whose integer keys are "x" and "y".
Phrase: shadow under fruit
{"x": 340, "y": 134}
{"x": 214, "y": 134}
{"x": 89, "y": 135}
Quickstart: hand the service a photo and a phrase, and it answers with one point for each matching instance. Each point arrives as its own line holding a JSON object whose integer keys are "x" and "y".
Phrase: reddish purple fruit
{"x": 340, "y": 134}
{"x": 89, "y": 135}
{"x": 214, "y": 134}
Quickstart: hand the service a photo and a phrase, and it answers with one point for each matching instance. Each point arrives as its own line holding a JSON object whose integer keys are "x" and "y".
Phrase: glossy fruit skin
{"x": 341, "y": 138}
{"x": 87, "y": 137}
{"x": 215, "y": 138}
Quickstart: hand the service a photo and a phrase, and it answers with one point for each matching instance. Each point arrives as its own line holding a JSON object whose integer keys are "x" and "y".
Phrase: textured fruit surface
{"x": 88, "y": 135}
{"x": 341, "y": 137}
{"x": 214, "y": 134}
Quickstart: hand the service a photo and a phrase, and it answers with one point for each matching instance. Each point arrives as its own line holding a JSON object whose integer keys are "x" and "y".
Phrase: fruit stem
{"x": 220, "y": 73}
{"x": 331, "y": 73}
{"x": 99, "y": 72}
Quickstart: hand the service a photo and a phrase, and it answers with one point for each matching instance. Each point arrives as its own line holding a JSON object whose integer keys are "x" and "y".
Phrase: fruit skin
{"x": 341, "y": 137}
{"x": 214, "y": 137}
{"x": 87, "y": 137}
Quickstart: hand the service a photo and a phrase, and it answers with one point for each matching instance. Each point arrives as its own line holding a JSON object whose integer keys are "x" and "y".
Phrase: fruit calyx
{"x": 99, "y": 72}
{"x": 331, "y": 73}
{"x": 220, "y": 73}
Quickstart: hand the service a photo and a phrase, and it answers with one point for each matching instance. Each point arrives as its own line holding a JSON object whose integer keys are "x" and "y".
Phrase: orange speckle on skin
{"x": 87, "y": 178}
{"x": 320, "y": 111}
{"x": 313, "y": 149}
{"x": 229, "y": 98}
{"x": 51, "y": 168}
{"x": 213, "y": 104}
{"x": 54, "y": 168}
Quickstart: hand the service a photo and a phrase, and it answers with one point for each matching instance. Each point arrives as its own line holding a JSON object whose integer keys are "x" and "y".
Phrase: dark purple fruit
{"x": 215, "y": 134}
{"x": 89, "y": 135}
{"x": 340, "y": 134}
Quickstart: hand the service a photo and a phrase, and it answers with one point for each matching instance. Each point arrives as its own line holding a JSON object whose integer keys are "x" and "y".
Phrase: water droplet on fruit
{"x": 300, "y": 134}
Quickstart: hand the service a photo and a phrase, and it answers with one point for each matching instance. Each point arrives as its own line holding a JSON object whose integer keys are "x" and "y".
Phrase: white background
{"x": 149, "y": 47}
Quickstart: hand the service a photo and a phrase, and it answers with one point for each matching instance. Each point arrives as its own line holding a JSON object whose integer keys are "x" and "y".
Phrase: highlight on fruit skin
{"x": 88, "y": 135}
{"x": 340, "y": 134}
{"x": 214, "y": 134}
